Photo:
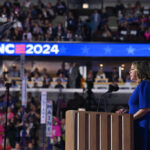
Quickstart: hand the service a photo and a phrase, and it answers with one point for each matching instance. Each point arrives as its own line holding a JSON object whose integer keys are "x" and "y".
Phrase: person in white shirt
{"x": 100, "y": 74}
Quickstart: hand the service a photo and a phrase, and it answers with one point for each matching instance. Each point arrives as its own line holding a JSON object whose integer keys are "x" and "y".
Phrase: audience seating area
{"x": 56, "y": 22}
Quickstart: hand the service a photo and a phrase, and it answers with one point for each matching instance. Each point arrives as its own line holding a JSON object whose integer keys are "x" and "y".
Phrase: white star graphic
{"x": 63, "y": 49}
{"x": 107, "y": 50}
{"x": 131, "y": 50}
{"x": 85, "y": 50}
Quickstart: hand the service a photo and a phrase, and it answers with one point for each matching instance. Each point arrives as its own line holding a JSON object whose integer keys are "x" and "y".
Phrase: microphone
{"x": 113, "y": 87}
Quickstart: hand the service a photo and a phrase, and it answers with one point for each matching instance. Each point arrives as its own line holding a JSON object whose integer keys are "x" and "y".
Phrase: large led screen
{"x": 76, "y": 49}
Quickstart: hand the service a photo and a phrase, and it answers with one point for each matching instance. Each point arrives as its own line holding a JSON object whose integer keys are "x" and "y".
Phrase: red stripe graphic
{"x": 20, "y": 49}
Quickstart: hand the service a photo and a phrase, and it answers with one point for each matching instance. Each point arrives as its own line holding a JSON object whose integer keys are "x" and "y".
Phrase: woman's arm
{"x": 140, "y": 113}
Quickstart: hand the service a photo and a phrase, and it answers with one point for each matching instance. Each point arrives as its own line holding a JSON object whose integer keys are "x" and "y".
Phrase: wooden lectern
{"x": 98, "y": 131}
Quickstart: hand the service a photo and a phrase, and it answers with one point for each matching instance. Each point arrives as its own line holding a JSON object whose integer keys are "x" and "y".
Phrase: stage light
{"x": 101, "y": 65}
{"x": 85, "y": 5}
{"x": 123, "y": 65}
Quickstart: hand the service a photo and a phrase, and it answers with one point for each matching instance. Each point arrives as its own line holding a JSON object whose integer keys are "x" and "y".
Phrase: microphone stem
{"x": 101, "y": 98}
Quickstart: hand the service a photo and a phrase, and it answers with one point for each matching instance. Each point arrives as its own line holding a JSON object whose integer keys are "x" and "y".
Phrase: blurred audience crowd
{"x": 37, "y": 22}
{"x": 65, "y": 77}
{"x": 26, "y": 133}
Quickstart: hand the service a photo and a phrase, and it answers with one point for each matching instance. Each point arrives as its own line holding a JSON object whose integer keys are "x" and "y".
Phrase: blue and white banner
{"x": 49, "y": 120}
{"x": 43, "y": 107}
{"x": 76, "y": 49}
{"x": 24, "y": 91}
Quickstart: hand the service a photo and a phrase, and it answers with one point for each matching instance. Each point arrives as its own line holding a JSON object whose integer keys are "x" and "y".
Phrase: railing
{"x": 98, "y": 131}
{"x": 66, "y": 90}
{"x": 105, "y": 85}
{"x": 98, "y": 84}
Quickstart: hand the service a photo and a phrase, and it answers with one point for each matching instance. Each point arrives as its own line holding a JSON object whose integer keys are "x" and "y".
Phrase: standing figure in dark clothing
{"x": 79, "y": 77}
{"x": 72, "y": 75}
{"x": 115, "y": 75}
{"x": 60, "y": 7}
{"x": 63, "y": 71}
{"x": 90, "y": 80}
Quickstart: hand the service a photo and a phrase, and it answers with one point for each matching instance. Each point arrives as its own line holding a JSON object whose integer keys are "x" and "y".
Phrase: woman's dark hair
{"x": 143, "y": 70}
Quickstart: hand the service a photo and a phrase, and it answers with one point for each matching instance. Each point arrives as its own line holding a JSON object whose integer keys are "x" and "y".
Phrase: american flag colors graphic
{"x": 20, "y": 48}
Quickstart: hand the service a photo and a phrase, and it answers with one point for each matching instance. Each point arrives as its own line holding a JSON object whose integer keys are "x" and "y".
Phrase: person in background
{"x": 50, "y": 10}
{"x": 95, "y": 20}
{"x": 100, "y": 74}
{"x": 72, "y": 75}
{"x": 63, "y": 70}
{"x": 63, "y": 129}
{"x": 46, "y": 84}
{"x": 147, "y": 34}
{"x": 90, "y": 80}
{"x": 71, "y": 22}
{"x": 60, "y": 77}
{"x": 14, "y": 84}
{"x": 12, "y": 131}
{"x": 13, "y": 71}
{"x": 115, "y": 75}
{"x": 119, "y": 7}
{"x": 79, "y": 76}
{"x": 56, "y": 132}
{"x": 37, "y": 78}
{"x": 60, "y": 7}
{"x": 36, "y": 70}
{"x": 17, "y": 146}
{"x": 59, "y": 84}
{"x": 30, "y": 146}
{"x": 7, "y": 4}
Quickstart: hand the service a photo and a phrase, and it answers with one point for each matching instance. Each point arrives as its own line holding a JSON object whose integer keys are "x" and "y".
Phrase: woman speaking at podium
{"x": 139, "y": 104}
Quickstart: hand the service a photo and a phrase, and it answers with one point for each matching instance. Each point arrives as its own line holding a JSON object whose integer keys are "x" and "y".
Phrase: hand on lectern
{"x": 121, "y": 111}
